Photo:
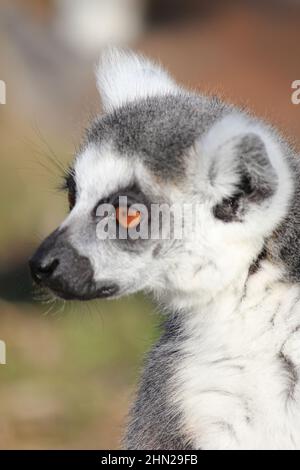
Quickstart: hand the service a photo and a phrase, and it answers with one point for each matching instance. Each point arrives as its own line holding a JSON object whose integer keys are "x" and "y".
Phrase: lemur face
{"x": 156, "y": 145}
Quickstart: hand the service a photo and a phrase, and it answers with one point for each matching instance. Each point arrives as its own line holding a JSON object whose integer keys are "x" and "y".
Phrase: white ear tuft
{"x": 123, "y": 76}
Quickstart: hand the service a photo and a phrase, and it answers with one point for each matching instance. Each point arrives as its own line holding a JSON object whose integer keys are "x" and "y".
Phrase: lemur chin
{"x": 225, "y": 372}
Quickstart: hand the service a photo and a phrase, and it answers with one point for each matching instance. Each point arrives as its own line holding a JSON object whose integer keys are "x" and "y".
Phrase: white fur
{"x": 123, "y": 77}
{"x": 241, "y": 403}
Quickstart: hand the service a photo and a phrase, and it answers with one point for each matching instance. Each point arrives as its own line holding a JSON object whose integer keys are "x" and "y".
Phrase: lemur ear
{"x": 123, "y": 76}
{"x": 241, "y": 174}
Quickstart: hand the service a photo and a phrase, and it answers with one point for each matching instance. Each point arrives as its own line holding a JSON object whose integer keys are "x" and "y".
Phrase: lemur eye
{"x": 70, "y": 186}
{"x": 71, "y": 199}
{"x": 128, "y": 217}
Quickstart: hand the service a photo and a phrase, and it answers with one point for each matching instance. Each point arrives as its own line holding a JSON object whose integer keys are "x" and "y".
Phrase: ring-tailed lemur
{"x": 225, "y": 372}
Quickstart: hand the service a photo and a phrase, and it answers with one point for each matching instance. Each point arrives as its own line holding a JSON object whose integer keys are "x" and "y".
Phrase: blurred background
{"x": 71, "y": 371}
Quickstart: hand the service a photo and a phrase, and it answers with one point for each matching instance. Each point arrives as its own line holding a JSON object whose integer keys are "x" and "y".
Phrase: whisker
{"x": 50, "y": 152}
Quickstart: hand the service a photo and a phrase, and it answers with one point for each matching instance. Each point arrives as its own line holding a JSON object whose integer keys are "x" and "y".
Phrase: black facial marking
{"x": 133, "y": 193}
{"x": 134, "y": 196}
{"x": 70, "y": 186}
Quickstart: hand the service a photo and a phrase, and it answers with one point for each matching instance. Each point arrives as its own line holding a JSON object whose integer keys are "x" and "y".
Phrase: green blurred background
{"x": 72, "y": 369}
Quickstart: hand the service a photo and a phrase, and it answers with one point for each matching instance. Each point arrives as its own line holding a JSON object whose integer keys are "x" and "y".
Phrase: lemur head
{"x": 158, "y": 144}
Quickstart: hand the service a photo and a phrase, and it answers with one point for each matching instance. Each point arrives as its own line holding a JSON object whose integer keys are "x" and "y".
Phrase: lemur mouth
{"x": 104, "y": 292}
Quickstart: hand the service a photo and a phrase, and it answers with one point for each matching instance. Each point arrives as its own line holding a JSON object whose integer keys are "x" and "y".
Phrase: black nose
{"x": 58, "y": 266}
{"x": 45, "y": 261}
{"x": 42, "y": 269}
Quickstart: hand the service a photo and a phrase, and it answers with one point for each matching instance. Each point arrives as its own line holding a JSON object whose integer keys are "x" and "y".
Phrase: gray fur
{"x": 284, "y": 245}
{"x": 154, "y": 423}
{"x": 159, "y": 130}
{"x": 255, "y": 164}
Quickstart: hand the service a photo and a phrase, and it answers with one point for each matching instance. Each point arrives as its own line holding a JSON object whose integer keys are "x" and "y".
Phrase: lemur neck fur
{"x": 248, "y": 288}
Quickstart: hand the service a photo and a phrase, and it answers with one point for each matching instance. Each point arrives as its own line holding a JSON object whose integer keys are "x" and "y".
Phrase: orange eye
{"x": 127, "y": 217}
